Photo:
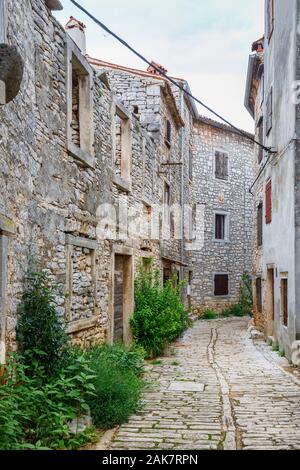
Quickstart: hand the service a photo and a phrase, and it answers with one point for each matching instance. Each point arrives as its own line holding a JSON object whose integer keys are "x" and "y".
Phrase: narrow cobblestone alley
{"x": 244, "y": 399}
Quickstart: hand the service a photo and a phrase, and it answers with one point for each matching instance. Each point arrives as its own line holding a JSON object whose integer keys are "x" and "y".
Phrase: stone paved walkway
{"x": 248, "y": 401}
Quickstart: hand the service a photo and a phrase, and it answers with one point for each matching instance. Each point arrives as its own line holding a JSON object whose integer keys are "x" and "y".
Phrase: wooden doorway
{"x": 270, "y": 301}
{"x": 123, "y": 301}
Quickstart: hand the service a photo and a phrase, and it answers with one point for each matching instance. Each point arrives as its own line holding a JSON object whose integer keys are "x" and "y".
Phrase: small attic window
{"x": 54, "y": 5}
{"x": 136, "y": 110}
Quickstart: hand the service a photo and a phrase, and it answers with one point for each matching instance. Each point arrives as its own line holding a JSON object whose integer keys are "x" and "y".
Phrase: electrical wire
{"x": 170, "y": 79}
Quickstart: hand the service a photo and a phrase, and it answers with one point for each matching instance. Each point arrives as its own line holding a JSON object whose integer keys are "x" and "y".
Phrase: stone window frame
{"x": 86, "y": 155}
{"x": 225, "y": 151}
{"x": 227, "y": 226}
{"x": 6, "y": 231}
{"x": 218, "y": 273}
{"x": 123, "y": 181}
{"x": 71, "y": 242}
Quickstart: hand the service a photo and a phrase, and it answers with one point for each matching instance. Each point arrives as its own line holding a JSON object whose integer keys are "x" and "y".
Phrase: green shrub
{"x": 38, "y": 327}
{"x": 208, "y": 314}
{"x": 159, "y": 316}
{"x": 35, "y": 414}
{"x": 117, "y": 382}
{"x": 246, "y": 298}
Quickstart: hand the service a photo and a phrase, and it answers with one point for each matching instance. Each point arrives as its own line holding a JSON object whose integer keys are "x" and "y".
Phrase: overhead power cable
{"x": 170, "y": 79}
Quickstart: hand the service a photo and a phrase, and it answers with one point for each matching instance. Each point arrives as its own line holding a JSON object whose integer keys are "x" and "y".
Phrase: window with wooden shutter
{"x": 269, "y": 202}
{"x": 221, "y": 165}
{"x": 270, "y": 18}
{"x": 221, "y": 284}
{"x": 284, "y": 302}
{"x": 260, "y": 140}
{"x": 259, "y": 295}
{"x": 260, "y": 225}
{"x": 269, "y": 112}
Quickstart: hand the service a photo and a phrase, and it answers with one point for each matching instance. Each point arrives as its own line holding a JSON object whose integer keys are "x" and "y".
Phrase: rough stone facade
{"x": 231, "y": 197}
{"x": 84, "y": 145}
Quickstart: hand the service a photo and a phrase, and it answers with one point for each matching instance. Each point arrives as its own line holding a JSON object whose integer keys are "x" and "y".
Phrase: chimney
{"x": 153, "y": 68}
{"x": 76, "y": 31}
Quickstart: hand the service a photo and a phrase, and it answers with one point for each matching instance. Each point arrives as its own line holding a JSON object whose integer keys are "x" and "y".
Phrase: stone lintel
{"x": 76, "y": 326}
{"x": 82, "y": 242}
{"x": 84, "y": 158}
{"x": 122, "y": 250}
{"x": 122, "y": 184}
{"x": 122, "y": 112}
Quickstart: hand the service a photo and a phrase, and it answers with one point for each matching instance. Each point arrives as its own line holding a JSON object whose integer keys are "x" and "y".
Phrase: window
{"x": 221, "y": 165}
{"x": 269, "y": 202}
{"x": 190, "y": 164}
{"x": 269, "y": 112}
{"x": 221, "y": 226}
{"x": 260, "y": 139}
{"x": 122, "y": 145}
{"x": 80, "y": 106}
{"x": 81, "y": 278}
{"x": 259, "y": 295}
{"x": 284, "y": 301}
{"x": 260, "y": 225}
{"x": 270, "y": 18}
{"x": 168, "y": 133}
{"x": 221, "y": 284}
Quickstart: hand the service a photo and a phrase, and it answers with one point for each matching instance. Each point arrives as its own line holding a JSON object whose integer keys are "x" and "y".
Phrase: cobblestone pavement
{"x": 249, "y": 401}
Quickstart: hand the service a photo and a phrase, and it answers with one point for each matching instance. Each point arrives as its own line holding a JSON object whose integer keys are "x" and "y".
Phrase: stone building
{"x": 217, "y": 170}
{"x": 273, "y": 101}
{"x": 96, "y": 163}
{"x": 223, "y": 172}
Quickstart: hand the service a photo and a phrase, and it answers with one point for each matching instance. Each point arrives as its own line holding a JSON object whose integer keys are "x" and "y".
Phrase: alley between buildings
{"x": 217, "y": 389}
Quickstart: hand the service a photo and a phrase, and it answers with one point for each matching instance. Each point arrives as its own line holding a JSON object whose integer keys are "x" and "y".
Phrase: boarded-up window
{"x": 259, "y": 295}
{"x": 270, "y": 17}
{"x": 269, "y": 112}
{"x": 260, "y": 225}
{"x": 260, "y": 140}
{"x": 284, "y": 301}
{"x": 220, "y": 226}
{"x": 221, "y": 284}
{"x": 168, "y": 133}
{"x": 221, "y": 165}
{"x": 269, "y": 202}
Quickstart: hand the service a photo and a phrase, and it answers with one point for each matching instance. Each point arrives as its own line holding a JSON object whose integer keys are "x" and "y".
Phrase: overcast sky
{"x": 207, "y": 42}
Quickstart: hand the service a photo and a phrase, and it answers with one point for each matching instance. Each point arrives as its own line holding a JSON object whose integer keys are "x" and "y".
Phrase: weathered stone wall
{"x": 47, "y": 196}
{"x": 231, "y": 196}
{"x": 55, "y": 196}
